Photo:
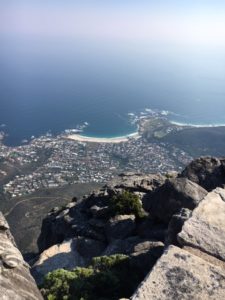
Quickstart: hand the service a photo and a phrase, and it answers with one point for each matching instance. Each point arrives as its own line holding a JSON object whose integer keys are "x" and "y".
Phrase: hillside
{"x": 198, "y": 141}
{"x": 26, "y": 213}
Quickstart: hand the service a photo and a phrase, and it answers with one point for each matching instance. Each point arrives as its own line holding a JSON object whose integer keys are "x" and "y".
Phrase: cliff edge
{"x": 15, "y": 279}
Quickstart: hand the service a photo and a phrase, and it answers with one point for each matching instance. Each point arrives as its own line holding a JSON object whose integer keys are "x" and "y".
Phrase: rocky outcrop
{"x": 209, "y": 172}
{"x": 181, "y": 275}
{"x": 61, "y": 256}
{"x": 135, "y": 182}
{"x": 70, "y": 254}
{"x": 15, "y": 279}
{"x": 85, "y": 228}
{"x": 205, "y": 230}
{"x": 197, "y": 271}
{"x": 180, "y": 213}
{"x": 173, "y": 195}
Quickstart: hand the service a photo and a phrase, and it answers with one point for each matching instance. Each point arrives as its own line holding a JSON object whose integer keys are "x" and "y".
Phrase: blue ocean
{"x": 50, "y": 87}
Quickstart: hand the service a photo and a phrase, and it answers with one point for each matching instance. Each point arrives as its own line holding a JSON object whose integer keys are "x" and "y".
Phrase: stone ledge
{"x": 180, "y": 275}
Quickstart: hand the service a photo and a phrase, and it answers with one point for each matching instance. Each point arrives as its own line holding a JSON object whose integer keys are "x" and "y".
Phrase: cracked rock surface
{"x": 15, "y": 279}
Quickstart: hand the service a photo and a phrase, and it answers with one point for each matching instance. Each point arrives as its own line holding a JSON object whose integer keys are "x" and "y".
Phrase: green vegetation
{"x": 199, "y": 141}
{"x": 108, "y": 278}
{"x": 126, "y": 203}
{"x": 157, "y": 128}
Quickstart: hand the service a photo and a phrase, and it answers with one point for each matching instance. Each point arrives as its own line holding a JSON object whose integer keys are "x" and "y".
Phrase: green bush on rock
{"x": 126, "y": 203}
{"x": 108, "y": 278}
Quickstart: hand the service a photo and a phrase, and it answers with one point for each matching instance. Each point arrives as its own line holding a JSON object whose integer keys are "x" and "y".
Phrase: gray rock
{"x": 209, "y": 172}
{"x": 182, "y": 276}
{"x": 99, "y": 212}
{"x": 120, "y": 227}
{"x": 143, "y": 253}
{"x": 136, "y": 182}
{"x": 148, "y": 229}
{"x": 61, "y": 256}
{"x": 175, "y": 226}
{"x": 172, "y": 196}
{"x": 125, "y": 246}
{"x": 205, "y": 230}
{"x": 89, "y": 248}
{"x": 15, "y": 279}
{"x": 144, "y": 256}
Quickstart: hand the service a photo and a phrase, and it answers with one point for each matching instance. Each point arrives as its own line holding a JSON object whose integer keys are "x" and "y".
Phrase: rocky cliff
{"x": 168, "y": 231}
{"x": 195, "y": 269}
{"x": 15, "y": 279}
{"x": 178, "y": 234}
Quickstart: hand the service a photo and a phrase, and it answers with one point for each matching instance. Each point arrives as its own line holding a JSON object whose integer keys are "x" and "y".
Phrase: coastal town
{"x": 54, "y": 161}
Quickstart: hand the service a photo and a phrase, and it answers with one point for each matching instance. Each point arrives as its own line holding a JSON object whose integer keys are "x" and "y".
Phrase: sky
{"x": 192, "y": 23}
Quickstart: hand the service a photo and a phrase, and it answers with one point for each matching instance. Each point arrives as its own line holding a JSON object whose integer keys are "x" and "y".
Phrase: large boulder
{"x": 122, "y": 246}
{"x": 182, "y": 276}
{"x": 89, "y": 248}
{"x": 143, "y": 253}
{"x": 61, "y": 256}
{"x": 58, "y": 226}
{"x": 205, "y": 230}
{"x": 15, "y": 279}
{"x": 172, "y": 196}
{"x": 209, "y": 172}
{"x": 144, "y": 256}
{"x": 120, "y": 227}
{"x": 69, "y": 222}
{"x": 149, "y": 229}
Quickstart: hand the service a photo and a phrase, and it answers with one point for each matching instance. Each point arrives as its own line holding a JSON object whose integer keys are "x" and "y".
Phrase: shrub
{"x": 108, "y": 278}
{"x": 126, "y": 203}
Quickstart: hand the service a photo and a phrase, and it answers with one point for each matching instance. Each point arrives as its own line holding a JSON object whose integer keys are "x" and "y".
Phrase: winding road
{"x": 30, "y": 199}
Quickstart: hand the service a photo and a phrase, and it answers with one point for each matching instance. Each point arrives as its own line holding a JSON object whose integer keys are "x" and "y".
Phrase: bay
{"x": 56, "y": 86}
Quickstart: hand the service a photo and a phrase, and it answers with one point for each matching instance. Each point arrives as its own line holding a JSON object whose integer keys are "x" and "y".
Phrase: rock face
{"x": 209, "y": 172}
{"x": 61, "y": 256}
{"x": 182, "y": 276}
{"x": 145, "y": 255}
{"x": 180, "y": 214}
{"x": 15, "y": 279}
{"x": 198, "y": 270}
{"x": 172, "y": 196}
{"x": 120, "y": 227}
{"x": 205, "y": 230}
{"x": 175, "y": 226}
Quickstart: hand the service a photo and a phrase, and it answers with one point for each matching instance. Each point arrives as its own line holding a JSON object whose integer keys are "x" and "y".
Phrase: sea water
{"x": 53, "y": 87}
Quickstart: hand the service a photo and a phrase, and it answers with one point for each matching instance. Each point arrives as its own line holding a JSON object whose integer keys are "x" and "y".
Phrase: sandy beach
{"x": 119, "y": 139}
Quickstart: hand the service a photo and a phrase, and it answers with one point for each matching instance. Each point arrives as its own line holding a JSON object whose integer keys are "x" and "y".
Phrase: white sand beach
{"x": 119, "y": 139}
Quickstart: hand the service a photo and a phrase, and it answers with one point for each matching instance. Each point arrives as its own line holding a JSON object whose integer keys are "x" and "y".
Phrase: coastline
{"x": 197, "y": 125}
{"x": 115, "y": 140}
